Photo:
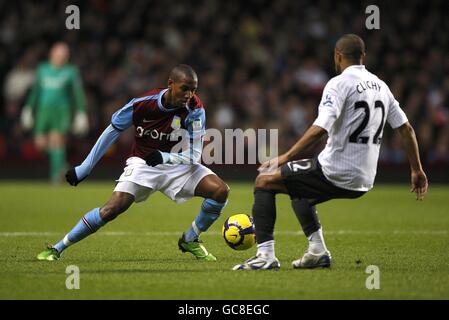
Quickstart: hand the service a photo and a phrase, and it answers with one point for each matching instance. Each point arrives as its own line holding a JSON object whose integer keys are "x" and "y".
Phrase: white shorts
{"x": 178, "y": 182}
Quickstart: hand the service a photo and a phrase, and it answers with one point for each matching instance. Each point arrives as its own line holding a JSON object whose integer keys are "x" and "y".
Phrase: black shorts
{"x": 304, "y": 179}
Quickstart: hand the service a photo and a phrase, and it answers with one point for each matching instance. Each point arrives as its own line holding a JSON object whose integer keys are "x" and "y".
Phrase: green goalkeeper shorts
{"x": 52, "y": 119}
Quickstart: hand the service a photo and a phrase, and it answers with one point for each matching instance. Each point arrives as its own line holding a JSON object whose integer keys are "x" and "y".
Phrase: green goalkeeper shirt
{"x": 57, "y": 88}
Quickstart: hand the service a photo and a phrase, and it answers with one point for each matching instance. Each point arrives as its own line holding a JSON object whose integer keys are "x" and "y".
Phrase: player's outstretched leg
{"x": 89, "y": 224}
{"x": 264, "y": 214}
{"x": 317, "y": 255}
{"x": 215, "y": 192}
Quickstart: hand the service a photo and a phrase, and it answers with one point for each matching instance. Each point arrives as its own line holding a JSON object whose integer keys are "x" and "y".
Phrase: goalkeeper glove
{"x": 26, "y": 118}
{"x": 80, "y": 124}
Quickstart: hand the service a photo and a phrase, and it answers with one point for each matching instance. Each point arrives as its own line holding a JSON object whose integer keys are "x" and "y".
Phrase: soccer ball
{"x": 238, "y": 232}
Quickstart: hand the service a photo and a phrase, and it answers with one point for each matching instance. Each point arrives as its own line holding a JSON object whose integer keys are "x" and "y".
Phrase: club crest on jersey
{"x": 176, "y": 123}
{"x": 328, "y": 100}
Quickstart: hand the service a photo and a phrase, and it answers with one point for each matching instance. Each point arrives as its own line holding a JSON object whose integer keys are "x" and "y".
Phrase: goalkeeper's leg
{"x": 57, "y": 155}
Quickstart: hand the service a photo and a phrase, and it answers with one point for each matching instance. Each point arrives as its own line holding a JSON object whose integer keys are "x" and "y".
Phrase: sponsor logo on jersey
{"x": 157, "y": 135}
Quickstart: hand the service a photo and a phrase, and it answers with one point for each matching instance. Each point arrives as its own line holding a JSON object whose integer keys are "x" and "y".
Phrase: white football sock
{"x": 266, "y": 248}
{"x": 316, "y": 242}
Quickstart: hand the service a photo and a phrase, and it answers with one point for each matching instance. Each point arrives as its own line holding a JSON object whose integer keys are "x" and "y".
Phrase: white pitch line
{"x": 285, "y": 232}
{"x": 27, "y": 234}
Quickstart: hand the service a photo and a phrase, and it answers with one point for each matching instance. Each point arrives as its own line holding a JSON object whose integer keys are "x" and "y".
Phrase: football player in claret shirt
{"x": 161, "y": 118}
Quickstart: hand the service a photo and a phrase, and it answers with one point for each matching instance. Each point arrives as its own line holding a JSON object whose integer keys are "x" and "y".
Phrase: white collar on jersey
{"x": 161, "y": 106}
{"x": 354, "y": 67}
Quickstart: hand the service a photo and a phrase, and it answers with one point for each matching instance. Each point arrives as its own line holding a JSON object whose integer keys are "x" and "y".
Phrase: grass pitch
{"x": 136, "y": 256}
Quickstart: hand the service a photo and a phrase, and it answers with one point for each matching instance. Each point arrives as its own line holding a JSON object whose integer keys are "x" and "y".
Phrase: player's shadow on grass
{"x": 149, "y": 270}
{"x": 103, "y": 271}
{"x": 153, "y": 260}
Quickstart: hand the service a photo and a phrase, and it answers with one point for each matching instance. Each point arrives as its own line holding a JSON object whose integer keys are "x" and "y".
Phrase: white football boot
{"x": 259, "y": 262}
{"x": 310, "y": 260}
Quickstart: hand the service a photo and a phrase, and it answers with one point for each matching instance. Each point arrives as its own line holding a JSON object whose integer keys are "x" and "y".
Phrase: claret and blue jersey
{"x": 156, "y": 128}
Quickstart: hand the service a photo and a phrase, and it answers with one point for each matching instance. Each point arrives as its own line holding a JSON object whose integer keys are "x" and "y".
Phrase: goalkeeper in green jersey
{"x": 56, "y": 91}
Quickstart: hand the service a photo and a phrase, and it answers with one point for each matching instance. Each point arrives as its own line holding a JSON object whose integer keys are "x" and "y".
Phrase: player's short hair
{"x": 181, "y": 71}
{"x": 351, "y": 46}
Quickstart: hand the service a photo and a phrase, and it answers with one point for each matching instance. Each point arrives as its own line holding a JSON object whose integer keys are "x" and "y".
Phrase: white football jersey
{"x": 353, "y": 110}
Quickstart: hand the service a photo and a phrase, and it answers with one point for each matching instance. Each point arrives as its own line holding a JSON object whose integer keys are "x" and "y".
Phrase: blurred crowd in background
{"x": 261, "y": 63}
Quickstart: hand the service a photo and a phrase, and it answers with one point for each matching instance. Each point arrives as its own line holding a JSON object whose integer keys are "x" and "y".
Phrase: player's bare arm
{"x": 419, "y": 182}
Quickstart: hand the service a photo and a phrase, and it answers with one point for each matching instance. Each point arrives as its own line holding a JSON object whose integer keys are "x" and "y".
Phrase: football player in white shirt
{"x": 353, "y": 111}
